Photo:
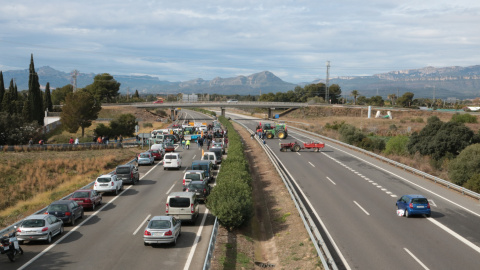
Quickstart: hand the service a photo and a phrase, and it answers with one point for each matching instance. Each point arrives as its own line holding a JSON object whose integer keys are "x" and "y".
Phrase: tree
{"x": 354, "y": 94}
{"x": 35, "y": 95}
{"x": 392, "y": 98}
{"x": 334, "y": 93}
{"x": 397, "y": 146}
{"x": 47, "y": 99}
{"x": 79, "y": 111}
{"x": 465, "y": 165}
{"x": 124, "y": 125}
{"x": 406, "y": 99}
{"x": 8, "y": 102}
{"x": 136, "y": 95}
{"x": 104, "y": 87}
{"x": 376, "y": 101}
{"x": 2, "y": 89}
{"x": 59, "y": 94}
{"x": 14, "y": 131}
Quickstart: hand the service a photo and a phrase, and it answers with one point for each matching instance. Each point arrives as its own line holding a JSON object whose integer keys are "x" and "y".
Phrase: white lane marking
{"x": 432, "y": 203}
{"x": 141, "y": 224}
{"x": 394, "y": 196}
{"x": 170, "y": 189}
{"x": 379, "y": 186}
{"x": 194, "y": 156}
{"x": 388, "y": 192}
{"x": 416, "y": 259}
{"x": 454, "y": 234}
{"x": 311, "y": 164}
{"x": 197, "y": 238}
{"x": 297, "y": 138}
{"x": 375, "y": 184}
{"x": 408, "y": 181}
{"x": 150, "y": 170}
{"x": 331, "y": 180}
{"x": 298, "y": 153}
{"x": 361, "y": 208}
{"x": 71, "y": 231}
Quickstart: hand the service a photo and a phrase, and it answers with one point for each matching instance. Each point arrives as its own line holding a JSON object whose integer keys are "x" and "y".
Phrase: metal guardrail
{"x": 211, "y": 246}
{"x": 11, "y": 227}
{"x": 320, "y": 245}
{"x": 396, "y": 164}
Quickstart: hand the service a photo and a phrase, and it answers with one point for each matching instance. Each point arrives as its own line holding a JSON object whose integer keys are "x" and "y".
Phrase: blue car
{"x": 414, "y": 205}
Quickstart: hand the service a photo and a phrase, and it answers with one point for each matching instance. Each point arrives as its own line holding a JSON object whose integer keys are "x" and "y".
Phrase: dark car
{"x": 169, "y": 147}
{"x": 218, "y": 153}
{"x": 87, "y": 198}
{"x": 66, "y": 210}
{"x": 157, "y": 154}
{"x": 414, "y": 205}
{"x": 127, "y": 173}
{"x": 201, "y": 189}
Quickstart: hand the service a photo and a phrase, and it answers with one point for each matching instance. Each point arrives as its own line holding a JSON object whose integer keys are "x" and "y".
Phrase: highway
{"x": 354, "y": 195}
{"x": 112, "y": 236}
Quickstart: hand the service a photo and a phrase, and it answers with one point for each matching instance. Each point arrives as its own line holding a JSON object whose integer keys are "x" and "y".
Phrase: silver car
{"x": 162, "y": 230}
{"x": 39, "y": 228}
{"x": 145, "y": 158}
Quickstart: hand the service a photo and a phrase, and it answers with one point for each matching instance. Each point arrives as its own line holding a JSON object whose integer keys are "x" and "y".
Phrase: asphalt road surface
{"x": 111, "y": 237}
{"x": 354, "y": 195}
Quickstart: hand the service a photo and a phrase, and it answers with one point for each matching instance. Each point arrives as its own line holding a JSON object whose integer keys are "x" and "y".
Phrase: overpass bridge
{"x": 222, "y": 105}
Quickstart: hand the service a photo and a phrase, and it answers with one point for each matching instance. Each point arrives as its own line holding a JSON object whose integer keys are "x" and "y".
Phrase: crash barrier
{"x": 446, "y": 183}
{"x": 11, "y": 227}
{"x": 309, "y": 223}
{"x": 211, "y": 246}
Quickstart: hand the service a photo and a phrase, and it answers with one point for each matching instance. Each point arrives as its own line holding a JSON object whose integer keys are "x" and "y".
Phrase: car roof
{"x": 415, "y": 196}
{"x": 125, "y": 165}
{"x": 201, "y": 161}
{"x": 145, "y": 153}
{"x": 61, "y": 202}
{"x": 82, "y": 190}
{"x": 194, "y": 171}
{"x": 37, "y": 216}
{"x": 197, "y": 182}
{"x": 181, "y": 194}
{"x": 105, "y": 176}
{"x": 161, "y": 218}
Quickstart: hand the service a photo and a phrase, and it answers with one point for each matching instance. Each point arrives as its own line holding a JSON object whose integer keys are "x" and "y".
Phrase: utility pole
{"x": 327, "y": 82}
{"x": 434, "y": 94}
{"x": 74, "y": 79}
{"x": 128, "y": 93}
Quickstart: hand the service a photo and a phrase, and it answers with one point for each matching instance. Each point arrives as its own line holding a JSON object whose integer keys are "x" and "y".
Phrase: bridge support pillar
{"x": 222, "y": 111}
{"x": 269, "y": 114}
{"x": 172, "y": 114}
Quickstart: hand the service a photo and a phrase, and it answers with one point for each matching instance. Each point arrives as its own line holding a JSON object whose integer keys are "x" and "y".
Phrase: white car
{"x": 108, "y": 183}
{"x": 172, "y": 160}
{"x": 232, "y": 101}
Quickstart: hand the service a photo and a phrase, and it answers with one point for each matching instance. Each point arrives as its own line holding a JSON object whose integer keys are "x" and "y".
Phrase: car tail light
{"x": 45, "y": 229}
{"x": 166, "y": 209}
{"x": 168, "y": 233}
{"x": 410, "y": 205}
{"x": 68, "y": 214}
{"x": 95, "y": 183}
{"x": 18, "y": 230}
{"x": 131, "y": 174}
{"x": 192, "y": 210}
{"x": 428, "y": 205}
{"x": 184, "y": 182}
{"x": 204, "y": 191}
{"x": 87, "y": 201}
{"x": 111, "y": 183}
{"x": 147, "y": 233}
{"x": 46, "y": 213}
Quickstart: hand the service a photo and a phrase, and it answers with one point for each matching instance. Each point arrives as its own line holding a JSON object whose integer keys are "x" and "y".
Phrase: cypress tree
{"x": 136, "y": 95}
{"x": 35, "y": 95}
{"x": 2, "y": 89}
{"x": 8, "y": 103}
{"x": 47, "y": 99}
{"x": 26, "y": 110}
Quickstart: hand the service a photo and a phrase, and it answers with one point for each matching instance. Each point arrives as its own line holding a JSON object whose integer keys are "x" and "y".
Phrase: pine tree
{"x": 47, "y": 99}
{"x": 136, "y": 95}
{"x": 2, "y": 89}
{"x": 8, "y": 103}
{"x": 35, "y": 95}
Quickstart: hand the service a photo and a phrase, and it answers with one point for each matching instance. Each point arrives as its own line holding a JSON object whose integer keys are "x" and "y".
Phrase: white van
{"x": 193, "y": 175}
{"x": 183, "y": 206}
{"x": 212, "y": 157}
{"x": 172, "y": 160}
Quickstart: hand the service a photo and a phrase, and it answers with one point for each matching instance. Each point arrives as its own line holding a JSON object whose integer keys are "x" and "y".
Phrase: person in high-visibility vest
{"x": 187, "y": 143}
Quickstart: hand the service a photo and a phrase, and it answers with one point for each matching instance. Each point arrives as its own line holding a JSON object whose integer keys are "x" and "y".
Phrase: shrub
{"x": 465, "y": 165}
{"x": 473, "y": 183}
{"x": 397, "y": 146}
{"x": 350, "y": 134}
{"x": 464, "y": 118}
{"x": 335, "y": 126}
{"x": 145, "y": 125}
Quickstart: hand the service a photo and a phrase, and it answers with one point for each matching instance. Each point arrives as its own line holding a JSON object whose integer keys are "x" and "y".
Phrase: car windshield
{"x": 33, "y": 223}
{"x": 159, "y": 224}
{"x": 179, "y": 202}
{"x": 193, "y": 176}
{"x": 123, "y": 170}
{"x": 195, "y": 186}
{"x": 81, "y": 194}
{"x": 200, "y": 167}
{"x": 57, "y": 208}
{"x": 170, "y": 157}
{"x": 420, "y": 200}
{"x": 104, "y": 180}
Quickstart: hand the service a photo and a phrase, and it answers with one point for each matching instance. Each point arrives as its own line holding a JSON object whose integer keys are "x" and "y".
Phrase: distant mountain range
{"x": 457, "y": 82}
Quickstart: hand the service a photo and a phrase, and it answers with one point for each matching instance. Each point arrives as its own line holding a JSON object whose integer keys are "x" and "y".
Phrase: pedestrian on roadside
{"x": 76, "y": 141}
{"x": 71, "y": 140}
{"x": 121, "y": 138}
{"x": 30, "y": 142}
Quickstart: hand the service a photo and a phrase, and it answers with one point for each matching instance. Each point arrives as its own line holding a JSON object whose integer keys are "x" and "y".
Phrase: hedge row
{"x": 231, "y": 199}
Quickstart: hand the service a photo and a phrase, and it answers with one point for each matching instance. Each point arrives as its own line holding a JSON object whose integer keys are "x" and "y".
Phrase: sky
{"x": 184, "y": 40}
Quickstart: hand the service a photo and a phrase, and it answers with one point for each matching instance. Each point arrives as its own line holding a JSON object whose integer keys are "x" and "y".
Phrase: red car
{"x": 157, "y": 155}
{"x": 88, "y": 198}
{"x": 158, "y": 101}
{"x": 169, "y": 147}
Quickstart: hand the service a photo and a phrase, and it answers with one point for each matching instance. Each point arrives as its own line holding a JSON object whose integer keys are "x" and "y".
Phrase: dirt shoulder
{"x": 276, "y": 235}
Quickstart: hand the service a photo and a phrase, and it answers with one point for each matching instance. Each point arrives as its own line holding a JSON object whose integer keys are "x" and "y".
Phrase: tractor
{"x": 279, "y": 131}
